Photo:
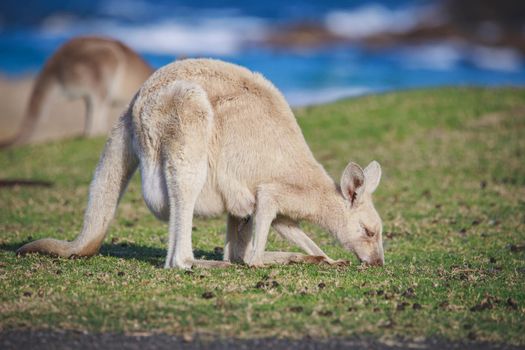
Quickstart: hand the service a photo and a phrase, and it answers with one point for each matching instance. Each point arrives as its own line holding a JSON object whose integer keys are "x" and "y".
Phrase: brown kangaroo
{"x": 102, "y": 71}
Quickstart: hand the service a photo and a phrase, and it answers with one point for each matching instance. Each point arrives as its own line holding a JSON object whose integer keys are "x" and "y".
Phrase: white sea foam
{"x": 205, "y": 36}
{"x": 447, "y": 54}
{"x": 500, "y": 59}
{"x": 437, "y": 56}
{"x": 308, "y": 97}
{"x": 375, "y": 18}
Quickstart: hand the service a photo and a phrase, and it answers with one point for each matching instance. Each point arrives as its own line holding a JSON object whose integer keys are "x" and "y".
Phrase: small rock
{"x": 484, "y": 305}
{"x": 326, "y": 313}
{"x": 494, "y": 222}
{"x": 296, "y": 309}
{"x": 512, "y": 303}
{"x": 208, "y": 295}
{"x": 409, "y": 293}
{"x": 402, "y": 306}
{"x": 388, "y": 296}
{"x": 187, "y": 337}
{"x": 516, "y": 247}
{"x": 495, "y": 269}
{"x": 386, "y": 324}
{"x": 444, "y": 304}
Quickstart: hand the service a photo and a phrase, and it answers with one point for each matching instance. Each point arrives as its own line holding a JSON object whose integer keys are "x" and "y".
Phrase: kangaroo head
{"x": 363, "y": 225}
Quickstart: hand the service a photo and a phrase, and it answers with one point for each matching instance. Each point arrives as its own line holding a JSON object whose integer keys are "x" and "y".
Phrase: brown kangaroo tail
{"x": 44, "y": 83}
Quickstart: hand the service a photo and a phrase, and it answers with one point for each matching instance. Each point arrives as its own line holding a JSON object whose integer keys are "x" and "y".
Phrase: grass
{"x": 452, "y": 199}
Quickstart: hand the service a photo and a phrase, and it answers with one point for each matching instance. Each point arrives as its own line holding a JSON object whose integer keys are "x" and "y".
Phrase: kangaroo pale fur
{"x": 102, "y": 71}
{"x": 209, "y": 137}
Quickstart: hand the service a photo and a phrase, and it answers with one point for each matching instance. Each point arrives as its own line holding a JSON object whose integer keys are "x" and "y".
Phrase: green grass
{"x": 452, "y": 199}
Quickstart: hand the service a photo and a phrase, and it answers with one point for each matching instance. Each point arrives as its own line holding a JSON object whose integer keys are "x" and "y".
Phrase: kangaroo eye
{"x": 369, "y": 233}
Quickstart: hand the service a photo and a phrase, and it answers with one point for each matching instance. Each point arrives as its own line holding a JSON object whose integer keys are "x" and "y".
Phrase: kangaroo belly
{"x": 209, "y": 202}
{"x": 154, "y": 191}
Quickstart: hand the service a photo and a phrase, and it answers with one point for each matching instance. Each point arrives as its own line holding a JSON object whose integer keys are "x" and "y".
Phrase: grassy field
{"x": 452, "y": 199}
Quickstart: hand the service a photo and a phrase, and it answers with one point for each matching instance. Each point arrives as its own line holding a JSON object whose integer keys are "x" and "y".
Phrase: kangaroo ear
{"x": 372, "y": 176}
{"x": 352, "y": 182}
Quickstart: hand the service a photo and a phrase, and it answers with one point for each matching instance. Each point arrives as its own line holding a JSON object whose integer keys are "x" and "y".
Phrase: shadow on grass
{"x": 152, "y": 255}
{"x": 24, "y": 183}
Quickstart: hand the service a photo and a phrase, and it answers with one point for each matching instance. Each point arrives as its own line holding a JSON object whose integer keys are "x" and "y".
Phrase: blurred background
{"x": 314, "y": 51}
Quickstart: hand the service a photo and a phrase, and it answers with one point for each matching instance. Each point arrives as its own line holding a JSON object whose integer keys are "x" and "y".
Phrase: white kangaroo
{"x": 102, "y": 71}
{"x": 209, "y": 137}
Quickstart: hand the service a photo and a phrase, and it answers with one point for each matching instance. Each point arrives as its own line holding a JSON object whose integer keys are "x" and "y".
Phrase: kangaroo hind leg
{"x": 96, "y": 121}
{"x": 184, "y": 157}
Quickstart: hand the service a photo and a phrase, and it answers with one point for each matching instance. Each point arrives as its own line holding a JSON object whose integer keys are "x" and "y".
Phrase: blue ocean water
{"x": 164, "y": 30}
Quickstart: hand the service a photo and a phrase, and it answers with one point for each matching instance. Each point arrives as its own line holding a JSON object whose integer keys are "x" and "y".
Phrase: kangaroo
{"x": 209, "y": 137}
{"x": 102, "y": 71}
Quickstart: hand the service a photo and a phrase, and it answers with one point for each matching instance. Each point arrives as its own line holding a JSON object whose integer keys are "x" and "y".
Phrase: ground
{"x": 452, "y": 199}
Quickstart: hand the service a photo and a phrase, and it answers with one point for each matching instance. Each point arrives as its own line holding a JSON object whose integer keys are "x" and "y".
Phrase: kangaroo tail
{"x": 48, "y": 246}
{"x": 116, "y": 166}
{"x": 44, "y": 84}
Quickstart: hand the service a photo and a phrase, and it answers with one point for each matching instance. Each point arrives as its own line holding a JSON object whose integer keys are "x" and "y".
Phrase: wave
{"x": 446, "y": 56}
{"x": 374, "y": 19}
{"x": 222, "y": 36}
{"x": 499, "y": 59}
{"x": 437, "y": 56}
